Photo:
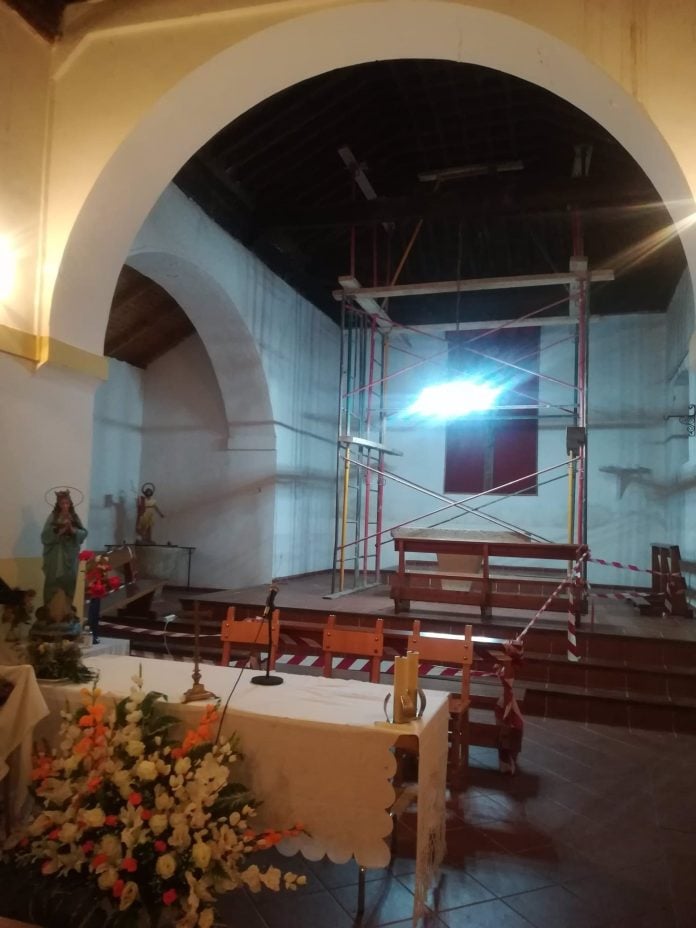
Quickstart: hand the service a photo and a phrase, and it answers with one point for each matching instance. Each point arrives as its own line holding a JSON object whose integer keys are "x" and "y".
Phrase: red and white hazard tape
{"x": 633, "y": 567}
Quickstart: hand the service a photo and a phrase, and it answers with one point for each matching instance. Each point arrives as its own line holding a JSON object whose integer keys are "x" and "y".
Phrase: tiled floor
{"x": 598, "y": 830}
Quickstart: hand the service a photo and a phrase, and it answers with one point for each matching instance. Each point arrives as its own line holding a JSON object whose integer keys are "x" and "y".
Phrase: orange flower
{"x": 98, "y": 860}
{"x": 111, "y": 820}
{"x": 117, "y": 889}
{"x": 43, "y": 769}
{"x": 169, "y": 896}
{"x": 94, "y": 784}
{"x": 135, "y": 799}
{"x": 83, "y": 746}
{"x": 130, "y": 864}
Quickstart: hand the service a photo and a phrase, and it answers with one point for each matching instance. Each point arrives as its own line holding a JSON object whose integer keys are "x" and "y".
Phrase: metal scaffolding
{"x": 361, "y": 450}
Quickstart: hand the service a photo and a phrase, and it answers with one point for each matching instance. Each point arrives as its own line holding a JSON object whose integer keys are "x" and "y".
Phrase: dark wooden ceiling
{"x": 44, "y": 15}
{"x": 273, "y": 179}
{"x": 145, "y": 321}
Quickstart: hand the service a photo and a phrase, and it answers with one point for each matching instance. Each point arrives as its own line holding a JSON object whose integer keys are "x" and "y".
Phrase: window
{"x": 493, "y": 448}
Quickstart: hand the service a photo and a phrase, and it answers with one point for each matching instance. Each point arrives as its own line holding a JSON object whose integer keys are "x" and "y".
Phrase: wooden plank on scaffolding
{"x": 480, "y": 283}
{"x": 349, "y": 285}
{"x": 368, "y": 444}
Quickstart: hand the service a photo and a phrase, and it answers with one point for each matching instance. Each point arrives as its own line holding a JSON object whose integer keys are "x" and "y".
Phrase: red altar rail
{"x": 417, "y": 583}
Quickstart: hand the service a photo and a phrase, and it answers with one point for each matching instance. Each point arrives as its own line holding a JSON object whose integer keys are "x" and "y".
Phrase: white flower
{"x": 163, "y": 801}
{"x": 134, "y": 716}
{"x": 135, "y": 748}
{"x": 165, "y": 866}
{"x": 182, "y": 766}
{"x": 271, "y": 879}
{"x": 200, "y": 853}
{"x": 121, "y": 778}
{"x": 128, "y": 896}
{"x": 158, "y": 823}
{"x": 107, "y": 879}
{"x": 206, "y": 918}
{"x": 180, "y": 837}
{"x": 146, "y": 770}
{"x": 234, "y": 818}
{"x": 252, "y": 878}
{"x": 111, "y": 846}
{"x": 94, "y": 818}
{"x": 68, "y": 832}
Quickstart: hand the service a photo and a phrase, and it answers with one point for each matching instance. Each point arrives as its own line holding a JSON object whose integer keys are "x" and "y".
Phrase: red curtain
{"x": 489, "y": 449}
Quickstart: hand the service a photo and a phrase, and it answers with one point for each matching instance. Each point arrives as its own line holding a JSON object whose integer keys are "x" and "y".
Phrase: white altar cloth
{"x": 313, "y": 755}
{"x": 24, "y": 708}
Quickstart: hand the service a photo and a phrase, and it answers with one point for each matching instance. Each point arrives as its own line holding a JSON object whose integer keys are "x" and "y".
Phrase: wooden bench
{"x": 440, "y": 583}
{"x": 668, "y": 590}
{"x": 134, "y": 596}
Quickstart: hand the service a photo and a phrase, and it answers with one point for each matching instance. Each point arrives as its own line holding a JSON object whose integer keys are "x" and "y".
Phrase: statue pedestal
{"x": 161, "y": 561}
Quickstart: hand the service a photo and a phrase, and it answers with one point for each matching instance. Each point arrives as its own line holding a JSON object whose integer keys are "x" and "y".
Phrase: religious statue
{"x": 147, "y": 507}
{"x": 61, "y": 537}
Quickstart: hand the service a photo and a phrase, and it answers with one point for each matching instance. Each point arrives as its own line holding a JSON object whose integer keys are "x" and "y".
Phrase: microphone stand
{"x": 266, "y": 679}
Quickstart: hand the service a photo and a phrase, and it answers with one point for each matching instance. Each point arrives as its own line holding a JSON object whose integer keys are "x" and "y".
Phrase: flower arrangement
{"x": 57, "y": 660}
{"x": 157, "y": 826}
{"x": 98, "y": 578}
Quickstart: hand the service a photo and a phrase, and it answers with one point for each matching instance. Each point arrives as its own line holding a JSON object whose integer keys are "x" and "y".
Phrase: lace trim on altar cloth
{"x": 432, "y": 776}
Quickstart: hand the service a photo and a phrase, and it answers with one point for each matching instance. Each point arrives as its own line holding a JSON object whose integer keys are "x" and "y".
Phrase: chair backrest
{"x": 250, "y": 635}
{"x": 448, "y": 650}
{"x": 353, "y": 642}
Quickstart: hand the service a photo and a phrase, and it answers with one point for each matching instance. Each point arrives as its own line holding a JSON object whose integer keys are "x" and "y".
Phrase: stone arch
{"x": 139, "y": 169}
{"x": 232, "y": 350}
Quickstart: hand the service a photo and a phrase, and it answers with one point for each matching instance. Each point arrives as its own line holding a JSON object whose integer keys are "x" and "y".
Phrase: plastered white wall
{"x": 46, "y": 424}
{"x": 627, "y": 431}
{"x": 275, "y": 357}
{"x": 217, "y": 500}
{"x": 680, "y": 377}
{"x": 116, "y": 451}
{"x": 124, "y": 77}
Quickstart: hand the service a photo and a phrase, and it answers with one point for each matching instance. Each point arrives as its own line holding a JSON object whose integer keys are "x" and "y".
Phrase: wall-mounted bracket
{"x": 689, "y": 420}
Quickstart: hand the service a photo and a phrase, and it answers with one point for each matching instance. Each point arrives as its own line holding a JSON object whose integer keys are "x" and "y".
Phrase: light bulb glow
{"x": 454, "y": 399}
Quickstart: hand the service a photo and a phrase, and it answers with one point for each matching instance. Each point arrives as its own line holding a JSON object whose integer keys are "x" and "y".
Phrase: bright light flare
{"x": 454, "y": 399}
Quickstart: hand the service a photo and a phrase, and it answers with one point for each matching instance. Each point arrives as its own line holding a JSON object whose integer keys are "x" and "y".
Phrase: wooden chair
{"x": 353, "y": 642}
{"x": 449, "y": 651}
{"x": 250, "y": 635}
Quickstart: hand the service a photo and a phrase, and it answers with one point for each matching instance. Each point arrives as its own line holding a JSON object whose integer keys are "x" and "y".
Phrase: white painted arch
{"x": 248, "y": 72}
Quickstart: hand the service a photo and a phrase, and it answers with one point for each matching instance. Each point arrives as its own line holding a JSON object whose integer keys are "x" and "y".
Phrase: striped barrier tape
{"x": 633, "y": 567}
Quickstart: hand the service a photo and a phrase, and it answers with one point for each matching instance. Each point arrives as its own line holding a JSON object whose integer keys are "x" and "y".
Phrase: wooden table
{"x": 484, "y": 587}
{"x": 313, "y": 754}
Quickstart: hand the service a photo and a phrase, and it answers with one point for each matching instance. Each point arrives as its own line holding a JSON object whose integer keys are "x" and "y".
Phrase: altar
{"x": 313, "y": 754}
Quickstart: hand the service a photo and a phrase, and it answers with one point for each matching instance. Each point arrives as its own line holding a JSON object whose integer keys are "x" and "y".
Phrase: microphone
{"x": 266, "y": 679}
{"x": 270, "y": 600}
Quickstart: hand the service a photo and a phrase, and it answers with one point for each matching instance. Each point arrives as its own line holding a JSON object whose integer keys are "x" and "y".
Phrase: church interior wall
{"x": 627, "y": 433}
{"x": 116, "y": 455}
{"x": 680, "y": 509}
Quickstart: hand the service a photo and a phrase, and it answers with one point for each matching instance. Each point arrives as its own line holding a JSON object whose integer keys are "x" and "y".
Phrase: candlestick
{"x": 197, "y": 691}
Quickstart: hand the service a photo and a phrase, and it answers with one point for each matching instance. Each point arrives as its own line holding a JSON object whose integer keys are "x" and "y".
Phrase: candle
{"x": 400, "y": 687}
{"x": 412, "y": 675}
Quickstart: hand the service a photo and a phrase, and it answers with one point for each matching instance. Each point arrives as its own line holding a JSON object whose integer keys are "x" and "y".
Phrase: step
{"x": 611, "y": 707}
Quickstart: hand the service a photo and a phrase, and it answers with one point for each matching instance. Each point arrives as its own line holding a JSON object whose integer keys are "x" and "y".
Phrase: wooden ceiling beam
{"x": 465, "y": 286}
{"x": 487, "y": 196}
